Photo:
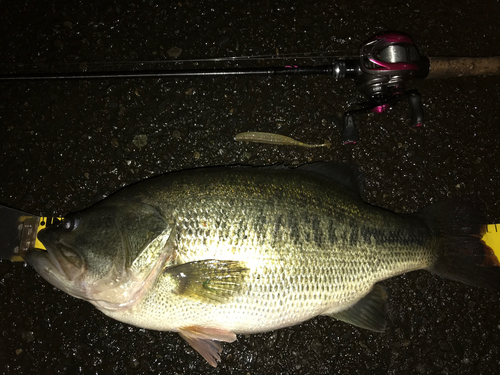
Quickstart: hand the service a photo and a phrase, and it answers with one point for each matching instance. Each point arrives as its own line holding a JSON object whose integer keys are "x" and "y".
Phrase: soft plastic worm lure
{"x": 274, "y": 139}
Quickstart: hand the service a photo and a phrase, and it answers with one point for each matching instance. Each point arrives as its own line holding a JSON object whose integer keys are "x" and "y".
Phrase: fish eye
{"x": 70, "y": 223}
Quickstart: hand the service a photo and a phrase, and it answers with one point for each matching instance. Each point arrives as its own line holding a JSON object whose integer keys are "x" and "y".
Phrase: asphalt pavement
{"x": 66, "y": 144}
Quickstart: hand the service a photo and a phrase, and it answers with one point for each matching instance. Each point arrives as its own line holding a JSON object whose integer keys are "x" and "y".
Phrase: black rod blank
{"x": 265, "y": 71}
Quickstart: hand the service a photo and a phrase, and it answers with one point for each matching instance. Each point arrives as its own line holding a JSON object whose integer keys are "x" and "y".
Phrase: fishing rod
{"x": 385, "y": 64}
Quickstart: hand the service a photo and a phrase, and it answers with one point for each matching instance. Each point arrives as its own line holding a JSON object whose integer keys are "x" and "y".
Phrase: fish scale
{"x": 331, "y": 278}
{"x": 215, "y": 252}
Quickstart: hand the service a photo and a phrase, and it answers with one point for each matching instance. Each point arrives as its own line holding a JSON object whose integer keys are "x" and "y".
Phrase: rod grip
{"x": 445, "y": 67}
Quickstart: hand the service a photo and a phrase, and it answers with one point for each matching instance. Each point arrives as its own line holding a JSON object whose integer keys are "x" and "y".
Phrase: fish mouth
{"x": 58, "y": 271}
{"x": 59, "y": 265}
{"x": 65, "y": 270}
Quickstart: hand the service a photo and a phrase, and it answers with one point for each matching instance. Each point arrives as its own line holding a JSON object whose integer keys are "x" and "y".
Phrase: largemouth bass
{"x": 211, "y": 253}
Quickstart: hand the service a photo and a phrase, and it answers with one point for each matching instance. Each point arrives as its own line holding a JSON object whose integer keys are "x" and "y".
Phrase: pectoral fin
{"x": 370, "y": 312}
{"x": 202, "y": 340}
{"x": 212, "y": 280}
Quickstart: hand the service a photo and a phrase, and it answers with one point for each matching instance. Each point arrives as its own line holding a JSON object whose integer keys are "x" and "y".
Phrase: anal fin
{"x": 370, "y": 312}
{"x": 202, "y": 340}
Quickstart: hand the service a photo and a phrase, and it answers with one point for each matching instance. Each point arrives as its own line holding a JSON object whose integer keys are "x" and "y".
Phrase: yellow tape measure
{"x": 28, "y": 227}
{"x": 43, "y": 222}
{"x": 492, "y": 238}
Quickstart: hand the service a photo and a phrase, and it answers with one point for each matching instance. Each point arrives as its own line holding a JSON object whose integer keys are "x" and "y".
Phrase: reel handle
{"x": 417, "y": 113}
{"x": 350, "y": 134}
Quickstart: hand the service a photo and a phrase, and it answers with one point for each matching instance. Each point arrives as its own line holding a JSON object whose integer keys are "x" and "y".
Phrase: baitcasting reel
{"x": 387, "y": 61}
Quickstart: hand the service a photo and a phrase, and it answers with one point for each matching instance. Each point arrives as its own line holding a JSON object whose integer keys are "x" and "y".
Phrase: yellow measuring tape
{"x": 492, "y": 238}
{"x": 41, "y": 225}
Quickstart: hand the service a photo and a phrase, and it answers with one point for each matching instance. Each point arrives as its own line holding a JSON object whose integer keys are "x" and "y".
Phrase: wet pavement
{"x": 65, "y": 144}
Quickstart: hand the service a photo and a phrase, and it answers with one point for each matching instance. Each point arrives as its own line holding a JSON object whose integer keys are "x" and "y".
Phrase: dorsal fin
{"x": 343, "y": 174}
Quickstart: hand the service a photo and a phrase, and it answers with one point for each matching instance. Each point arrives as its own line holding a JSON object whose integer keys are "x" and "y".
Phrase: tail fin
{"x": 463, "y": 257}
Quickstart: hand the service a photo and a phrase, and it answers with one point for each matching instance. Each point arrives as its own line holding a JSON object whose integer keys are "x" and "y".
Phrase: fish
{"x": 214, "y": 252}
{"x": 275, "y": 139}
